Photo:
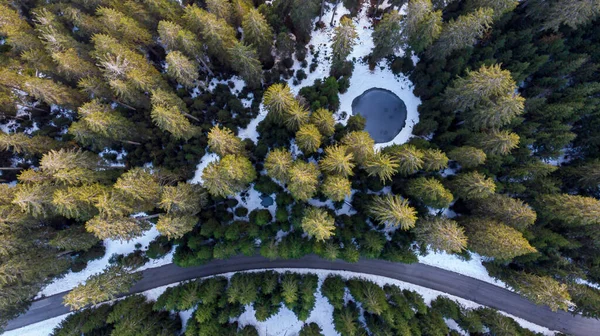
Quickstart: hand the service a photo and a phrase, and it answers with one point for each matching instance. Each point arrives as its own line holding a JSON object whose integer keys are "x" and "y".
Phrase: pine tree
{"x": 589, "y": 174}
{"x": 498, "y": 142}
{"x": 500, "y": 7}
{"x": 100, "y": 287}
{"x": 429, "y": 191}
{"x": 323, "y": 119}
{"x": 223, "y": 142}
{"x": 410, "y": 159}
{"x": 20, "y": 143}
{"x": 258, "y": 33}
{"x": 295, "y": 116}
{"x": 387, "y": 36}
{"x": 494, "y": 239}
{"x": 304, "y": 179}
{"x": 115, "y": 203}
{"x": 278, "y": 163}
{"x": 382, "y": 165}
{"x": 277, "y": 99}
{"x": 217, "y": 35}
{"x": 310, "y": 329}
{"x": 77, "y": 202}
{"x": 244, "y": 60}
{"x": 467, "y": 157}
{"x": 118, "y": 228}
{"x": 169, "y": 114}
{"x": 232, "y": 174}
{"x": 221, "y": 9}
{"x": 510, "y": 211}
{"x": 572, "y": 13}
{"x": 336, "y": 188}
{"x": 393, "y": 211}
{"x": 183, "y": 198}
{"x": 175, "y": 226}
{"x": 369, "y": 294}
{"x": 421, "y": 26}
{"x": 302, "y": 12}
{"x": 344, "y": 40}
{"x": 541, "y": 290}
{"x": 338, "y": 160}
{"x": 308, "y": 138}
{"x": 103, "y": 120}
{"x": 360, "y": 144}
{"x": 34, "y": 199}
{"x": 139, "y": 184}
{"x": 570, "y": 209}
{"x": 462, "y": 32}
{"x": 441, "y": 234}
{"x": 318, "y": 223}
{"x": 74, "y": 238}
{"x": 473, "y": 185}
{"x": 181, "y": 69}
{"x": 122, "y": 27}
{"x": 19, "y": 34}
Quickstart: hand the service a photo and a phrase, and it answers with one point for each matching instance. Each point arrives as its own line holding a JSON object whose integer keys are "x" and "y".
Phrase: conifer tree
{"x": 323, "y": 119}
{"x": 221, "y": 9}
{"x": 258, "y": 33}
{"x": 295, "y": 116}
{"x": 304, "y": 179}
{"x": 421, "y": 26}
{"x": 183, "y": 198}
{"x": 181, "y": 69}
{"x": 308, "y": 138}
{"x": 175, "y": 226}
{"x": 434, "y": 160}
{"x": 216, "y": 33}
{"x": 386, "y": 36}
{"x": 34, "y": 199}
{"x": 494, "y": 239}
{"x": 169, "y": 114}
{"x": 589, "y": 174}
{"x": 101, "y": 119}
{"x": 74, "y": 238}
{"x": 410, "y": 159}
{"x": 572, "y": 13}
{"x": 441, "y": 234}
{"x": 223, "y": 142}
{"x": 369, "y": 294}
{"x": 21, "y": 143}
{"x": 473, "y": 185}
{"x": 510, "y": 211}
{"x": 498, "y": 142}
{"x": 77, "y": 202}
{"x": 302, "y": 12}
{"x": 393, "y": 211}
{"x": 382, "y": 165}
{"x": 19, "y": 34}
{"x": 244, "y": 60}
{"x": 344, "y": 40}
{"x": 277, "y": 99}
{"x": 318, "y": 223}
{"x": 139, "y": 184}
{"x": 278, "y": 163}
{"x": 100, "y": 287}
{"x": 570, "y": 209}
{"x": 542, "y": 290}
{"x": 462, "y": 32}
{"x": 122, "y": 27}
{"x": 500, "y": 7}
{"x": 232, "y": 174}
{"x": 360, "y": 144}
{"x": 429, "y": 191}
{"x": 467, "y": 157}
{"x": 338, "y": 160}
{"x": 336, "y": 188}
{"x": 118, "y": 228}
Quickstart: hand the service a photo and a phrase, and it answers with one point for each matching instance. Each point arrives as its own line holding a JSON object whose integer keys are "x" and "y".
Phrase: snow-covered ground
{"x": 472, "y": 268}
{"x": 72, "y": 279}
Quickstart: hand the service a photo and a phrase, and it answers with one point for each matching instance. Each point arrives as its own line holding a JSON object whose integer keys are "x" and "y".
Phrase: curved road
{"x": 418, "y": 274}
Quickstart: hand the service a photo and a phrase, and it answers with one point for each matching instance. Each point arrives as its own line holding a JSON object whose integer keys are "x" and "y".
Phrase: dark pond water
{"x": 384, "y": 111}
{"x": 267, "y": 201}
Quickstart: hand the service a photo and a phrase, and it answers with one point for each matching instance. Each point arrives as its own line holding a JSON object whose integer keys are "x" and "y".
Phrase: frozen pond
{"x": 384, "y": 111}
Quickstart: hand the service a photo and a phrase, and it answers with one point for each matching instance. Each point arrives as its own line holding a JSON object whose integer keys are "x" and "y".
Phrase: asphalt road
{"x": 418, "y": 274}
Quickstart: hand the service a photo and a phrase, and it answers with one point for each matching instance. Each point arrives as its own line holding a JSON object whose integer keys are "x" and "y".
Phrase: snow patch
{"x": 204, "y": 161}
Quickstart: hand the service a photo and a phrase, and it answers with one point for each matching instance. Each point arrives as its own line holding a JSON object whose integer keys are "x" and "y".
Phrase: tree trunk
{"x": 148, "y": 217}
{"x": 131, "y": 142}
{"x": 205, "y": 66}
{"x": 334, "y": 11}
{"x": 191, "y": 117}
{"x": 11, "y": 168}
{"x": 322, "y": 10}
